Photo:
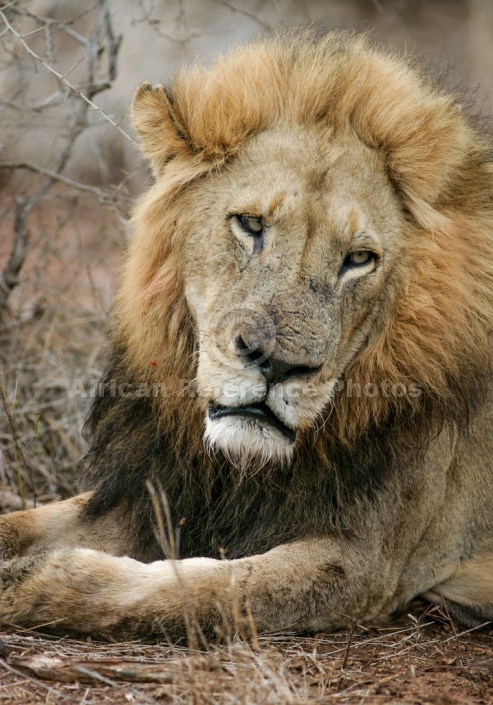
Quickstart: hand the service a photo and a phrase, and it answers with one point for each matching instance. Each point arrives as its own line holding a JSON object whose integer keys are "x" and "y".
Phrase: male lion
{"x": 311, "y": 280}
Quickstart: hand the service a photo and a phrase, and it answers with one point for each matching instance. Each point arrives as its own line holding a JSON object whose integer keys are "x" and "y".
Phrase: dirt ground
{"x": 415, "y": 660}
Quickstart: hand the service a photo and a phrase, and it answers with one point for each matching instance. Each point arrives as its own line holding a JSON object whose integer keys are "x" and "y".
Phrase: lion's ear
{"x": 159, "y": 126}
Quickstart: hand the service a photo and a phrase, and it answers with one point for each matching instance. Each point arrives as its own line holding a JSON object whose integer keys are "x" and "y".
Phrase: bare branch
{"x": 52, "y": 101}
{"x": 9, "y": 277}
{"x": 63, "y": 80}
{"x": 245, "y": 13}
{"x": 101, "y": 195}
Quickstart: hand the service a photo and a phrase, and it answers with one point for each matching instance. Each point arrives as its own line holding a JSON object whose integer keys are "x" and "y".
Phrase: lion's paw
{"x": 17, "y": 570}
{"x": 16, "y": 595}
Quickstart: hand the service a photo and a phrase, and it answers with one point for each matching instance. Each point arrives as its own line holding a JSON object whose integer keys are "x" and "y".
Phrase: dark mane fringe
{"x": 213, "y": 508}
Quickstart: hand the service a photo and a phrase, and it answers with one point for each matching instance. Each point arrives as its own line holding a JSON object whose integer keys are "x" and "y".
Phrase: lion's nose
{"x": 273, "y": 369}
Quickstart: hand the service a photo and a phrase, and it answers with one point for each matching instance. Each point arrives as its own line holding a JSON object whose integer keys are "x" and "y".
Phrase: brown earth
{"x": 415, "y": 660}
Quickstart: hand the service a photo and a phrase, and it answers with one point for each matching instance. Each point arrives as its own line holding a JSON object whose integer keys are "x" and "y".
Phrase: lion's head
{"x": 320, "y": 222}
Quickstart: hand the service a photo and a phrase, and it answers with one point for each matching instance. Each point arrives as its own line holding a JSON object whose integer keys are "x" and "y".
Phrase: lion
{"x": 293, "y": 431}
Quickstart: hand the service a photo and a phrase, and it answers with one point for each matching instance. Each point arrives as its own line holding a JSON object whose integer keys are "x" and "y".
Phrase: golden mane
{"x": 437, "y": 333}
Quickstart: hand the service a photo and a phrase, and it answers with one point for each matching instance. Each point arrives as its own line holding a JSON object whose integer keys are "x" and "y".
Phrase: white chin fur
{"x": 246, "y": 443}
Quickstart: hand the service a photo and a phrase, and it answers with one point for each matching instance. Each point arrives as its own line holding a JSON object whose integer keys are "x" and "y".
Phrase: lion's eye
{"x": 359, "y": 258}
{"x": 253, "y": 226}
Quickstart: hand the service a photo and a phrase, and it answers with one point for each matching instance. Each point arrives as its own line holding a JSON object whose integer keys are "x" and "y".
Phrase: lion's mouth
{"x": 259, "y": 412}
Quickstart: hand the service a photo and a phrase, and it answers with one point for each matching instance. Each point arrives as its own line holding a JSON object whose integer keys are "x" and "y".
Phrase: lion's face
{"x": 290, "y": 261}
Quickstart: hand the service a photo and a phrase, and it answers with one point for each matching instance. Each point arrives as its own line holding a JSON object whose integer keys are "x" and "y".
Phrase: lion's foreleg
{"x": 305, "y": 586}
{"x": 57, "y": 525}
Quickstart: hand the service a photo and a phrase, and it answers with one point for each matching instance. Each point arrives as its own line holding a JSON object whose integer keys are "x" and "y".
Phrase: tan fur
{"x": 368, "y": 499}
{"x": 61, "y": 525}
{"x": 471, "y": 583}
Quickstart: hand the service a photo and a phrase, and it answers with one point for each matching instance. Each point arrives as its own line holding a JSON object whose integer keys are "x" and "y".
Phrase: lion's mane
{"x": 436, "y": 334}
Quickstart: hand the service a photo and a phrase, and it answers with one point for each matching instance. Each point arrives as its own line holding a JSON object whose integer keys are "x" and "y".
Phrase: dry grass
{"x": 410, "y": 662}
{"x": 50, "y": 345}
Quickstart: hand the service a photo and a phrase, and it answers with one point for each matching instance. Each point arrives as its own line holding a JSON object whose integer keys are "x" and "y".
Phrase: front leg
{"x": 62, "y": 525}
{"x": 310, "y": 585}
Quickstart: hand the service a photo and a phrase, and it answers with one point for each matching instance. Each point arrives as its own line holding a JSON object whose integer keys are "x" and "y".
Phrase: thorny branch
{"x": 100, "y": 40}
{"x": 92, "y": 47}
